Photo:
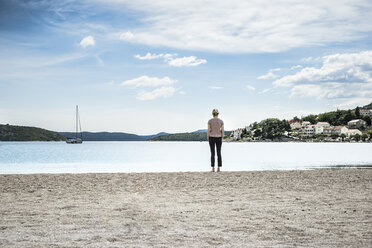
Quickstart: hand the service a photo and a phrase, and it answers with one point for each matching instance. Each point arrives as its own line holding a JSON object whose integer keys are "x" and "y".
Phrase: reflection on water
{"x": 59, "y": 157}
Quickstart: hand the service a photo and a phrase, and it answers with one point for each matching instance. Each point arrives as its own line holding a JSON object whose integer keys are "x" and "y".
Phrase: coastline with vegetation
{"x": 335, "y": 126}
{"x": 353, "y": 125}
{"x": 23, "y": 133}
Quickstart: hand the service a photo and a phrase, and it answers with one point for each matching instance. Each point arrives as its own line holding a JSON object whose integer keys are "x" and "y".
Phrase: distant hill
{"x": 21, "y": 133}
{"x": 369, "y": 106}
{"x": 201, "y": 131}
{"x": 193, "y": 136}
{"x": 181, "y": 137}
{"x": 111, "y": 136}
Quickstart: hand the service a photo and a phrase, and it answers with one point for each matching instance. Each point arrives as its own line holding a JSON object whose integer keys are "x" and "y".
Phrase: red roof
{"x": 338, "y": 127}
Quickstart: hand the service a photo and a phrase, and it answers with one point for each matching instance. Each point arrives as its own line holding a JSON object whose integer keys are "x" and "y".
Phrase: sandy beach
{"x": 310, "y": 208}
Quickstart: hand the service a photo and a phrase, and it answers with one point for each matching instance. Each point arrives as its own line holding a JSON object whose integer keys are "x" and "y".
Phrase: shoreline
{"x": 333, "y": 167}
{"x": 306, "y": 208}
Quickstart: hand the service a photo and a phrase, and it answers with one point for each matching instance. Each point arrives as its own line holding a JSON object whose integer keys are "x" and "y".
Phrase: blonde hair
{"x": 215, "y": 112}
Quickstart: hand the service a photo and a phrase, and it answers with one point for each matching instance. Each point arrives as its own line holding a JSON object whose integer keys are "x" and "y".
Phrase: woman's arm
{"x": 209, "y": 131}
{"x": 223, "y": 130}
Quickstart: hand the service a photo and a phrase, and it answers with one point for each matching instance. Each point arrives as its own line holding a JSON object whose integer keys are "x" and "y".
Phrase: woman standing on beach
{"x": 214, "y": 135}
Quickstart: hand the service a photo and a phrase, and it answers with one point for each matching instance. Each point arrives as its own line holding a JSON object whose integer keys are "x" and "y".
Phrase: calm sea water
{"x": 59, "y": 157}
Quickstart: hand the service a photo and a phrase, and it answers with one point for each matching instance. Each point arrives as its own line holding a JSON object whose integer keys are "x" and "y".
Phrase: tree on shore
{"x": 369, "y": 133}
{"x": 334, "y": 136}
{"x": 296, "y": 119}
{"x": 311, "y": 118}
{"x": 357, "y": 112}
{"x": 349, "y": 116}
{"x": 273, "y": 128}
{"x": 257, "y": 132}
{"x": 367, "y": 119}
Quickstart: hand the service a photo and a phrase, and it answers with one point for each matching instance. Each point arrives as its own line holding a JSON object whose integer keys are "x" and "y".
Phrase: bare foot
{"x": 212, "y": 169}
{"x": 218, "y": 169}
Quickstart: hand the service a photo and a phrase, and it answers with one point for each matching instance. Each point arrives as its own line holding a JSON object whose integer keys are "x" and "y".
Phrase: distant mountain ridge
{"x": 199, "y": 135}
{"x": 201, "y": 131}
{"x": 111, "y": 136}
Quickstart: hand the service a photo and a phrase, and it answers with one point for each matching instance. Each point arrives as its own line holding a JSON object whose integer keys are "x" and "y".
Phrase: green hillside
{"x": 338, "y": 117}
{"x": 20, "y": 133}
{"x": 369, "y": 106}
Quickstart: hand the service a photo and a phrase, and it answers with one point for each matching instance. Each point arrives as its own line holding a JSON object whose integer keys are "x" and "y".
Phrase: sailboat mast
{"x": 80, "y": 131}
{"x": 77, "y": 111}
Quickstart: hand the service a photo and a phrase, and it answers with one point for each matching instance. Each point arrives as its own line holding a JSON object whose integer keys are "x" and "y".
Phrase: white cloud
{"x": 248, "y": 26}
{"x": 347, "y": 67}
{"x": 164, "y": 92}
{"x": 360, "y": 101}
{"x": 186, "y": 61}
{"x": 327, "y": 90}
{"x": 341, "y": 76}
{"x": 215, "y": 87}
{"x": 162, "y": 85}
{"x": 150, "y": 56}
{"x": 126, "y": 36}
{"x": 295, "y": 67}
{"x": 264, "y": 91}
{"x": 99, "y": 60}
{"x": 169, "y": 58}
{"x": 307, "y": 59}
{"x": 145, "y": 81}
{"x": 332, "y": 90}
{"x": 249, "y": 87}
{"x": 310, "y": 59}
{"x": 269, "y": 75}
{"x": 87, "y": 41}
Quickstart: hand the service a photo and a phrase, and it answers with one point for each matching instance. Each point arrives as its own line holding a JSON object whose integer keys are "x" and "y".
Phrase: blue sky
{"x": 150, "y": 66}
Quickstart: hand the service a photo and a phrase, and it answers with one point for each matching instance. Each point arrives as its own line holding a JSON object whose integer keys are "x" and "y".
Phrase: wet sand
{"x": 312, "y": 208}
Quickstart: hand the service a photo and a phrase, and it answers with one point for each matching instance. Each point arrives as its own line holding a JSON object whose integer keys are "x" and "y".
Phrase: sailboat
{"x": 78, "y": 135}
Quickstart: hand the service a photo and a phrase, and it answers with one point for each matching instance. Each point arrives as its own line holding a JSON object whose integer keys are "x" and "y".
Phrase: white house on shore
{"x": 323, "y": 124}
{"x": 318, "y": 129}
{"x": 366, "y": 112}
{"x": 356, "y": 123}
{"x": 336, "y": 130}
{"x": 295, "y": 125}
{"x": 305, "y": 124}
{"x": 313, "y": 129}
{"x": 309, "y": 129}
{"x": 237, "y": 133}
{"x": 352, "y": 132}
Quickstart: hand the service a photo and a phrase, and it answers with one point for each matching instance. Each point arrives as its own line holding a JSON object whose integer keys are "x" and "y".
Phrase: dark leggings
{"x": 218, "y": 142}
